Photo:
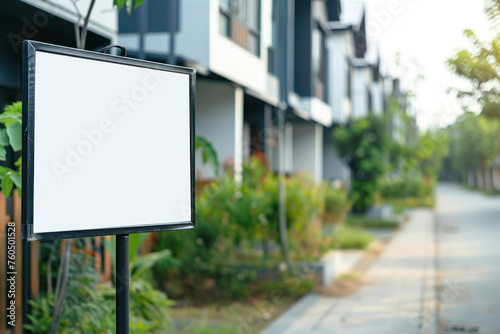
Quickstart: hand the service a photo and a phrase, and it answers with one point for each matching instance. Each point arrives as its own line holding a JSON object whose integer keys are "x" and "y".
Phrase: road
{"x": 468, "y": 261}
{"x": 439, "y": 275}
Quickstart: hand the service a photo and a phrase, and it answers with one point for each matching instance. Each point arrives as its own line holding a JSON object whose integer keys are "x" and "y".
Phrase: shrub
{"x": 90, "y": 306}
{"x": 337, "y": 205}
{"x": 363, "y": 144}
{"x": 405, "y": 187}
{"x": 240, "y": 221}
{"x": 348, "y": 238}
{"x": 305, "y": 207}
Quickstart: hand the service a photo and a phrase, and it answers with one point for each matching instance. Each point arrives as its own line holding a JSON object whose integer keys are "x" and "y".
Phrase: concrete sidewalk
{"x": 398, "y": 294}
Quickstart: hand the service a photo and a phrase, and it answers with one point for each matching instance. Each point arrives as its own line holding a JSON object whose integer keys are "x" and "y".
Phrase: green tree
{"x": 492, "y": 10}
{"x": 476, "y": 142}
{"x": 480, "y": 65}
{"x": 433, "y": 147}
{"x": 363, "y": 144}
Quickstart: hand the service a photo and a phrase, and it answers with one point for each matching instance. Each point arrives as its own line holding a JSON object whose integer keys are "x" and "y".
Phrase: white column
{"x": 217, "y": 111}
{"x": 288, "y": 148}
{"x": 318, "y": 154}
{"x": 238, "y": 134}
{"x": 308, "y": 149}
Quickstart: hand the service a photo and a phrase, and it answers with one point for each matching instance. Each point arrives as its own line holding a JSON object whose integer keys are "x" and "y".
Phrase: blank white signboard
{"x": 112, "y": 144}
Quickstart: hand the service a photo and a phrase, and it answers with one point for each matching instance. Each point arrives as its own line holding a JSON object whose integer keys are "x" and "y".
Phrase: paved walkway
{"x": 398, "y": 297}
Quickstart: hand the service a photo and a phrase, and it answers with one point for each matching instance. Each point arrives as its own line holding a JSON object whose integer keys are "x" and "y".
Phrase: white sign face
{"x": 112, "y": 146}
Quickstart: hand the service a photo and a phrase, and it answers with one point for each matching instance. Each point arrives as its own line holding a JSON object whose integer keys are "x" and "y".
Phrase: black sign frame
{"x": 28, "y": 118}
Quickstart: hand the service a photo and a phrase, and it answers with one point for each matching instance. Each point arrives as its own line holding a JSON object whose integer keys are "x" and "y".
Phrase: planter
{"x": 381, "y": 211}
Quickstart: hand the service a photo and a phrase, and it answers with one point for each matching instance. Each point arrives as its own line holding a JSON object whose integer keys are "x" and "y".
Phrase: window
{"x": 318, "y": 61}
{"x": 224, "y": 25}
{"x": 273, "y": 37}
{"x": 271, "y": 68}
{"x": 239, "y": 20}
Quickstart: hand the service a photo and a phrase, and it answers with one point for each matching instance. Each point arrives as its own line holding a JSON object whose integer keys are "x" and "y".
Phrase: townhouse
{"x": 231, "y": 45}
{"x": 257, "y": 62}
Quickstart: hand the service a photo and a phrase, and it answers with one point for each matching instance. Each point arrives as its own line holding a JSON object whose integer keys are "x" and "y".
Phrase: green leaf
{"x": 4, "y": 171}
{"x": 12, "y": 114}
{"x": 138, "y": 3}
{"x": 119, "y": 3}
{"x": 9, "y": 119}
{"x": 146, "y": 262}
{"x": 15, "y": 136}
{"x": 3, "y": 153}
{"x": 16, "y": 177}
{"x": 110, "y": 244}
{"x": 4, "y": 138}
{"x": 135, "y": 241}
{"x": 208, "y": 153}
{"x": 7, "y": 185}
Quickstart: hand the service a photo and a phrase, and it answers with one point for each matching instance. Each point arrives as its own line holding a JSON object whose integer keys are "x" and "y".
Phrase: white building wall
{"x": 359, "y": 91}
{"x": 219, "y": 119}
{"x": 334, "y": 169}
{"x": 288, "y": 148}
{"x": 377, "y": 106}
{"x": 308, "y": 149}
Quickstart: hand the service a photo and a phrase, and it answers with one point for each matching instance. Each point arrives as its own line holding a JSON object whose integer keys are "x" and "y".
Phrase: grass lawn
{"x": 367, "y": 222}
{"x": 238, "y": 317}
{"x": 487, "y": 192}
{"x": 400, "y": 204}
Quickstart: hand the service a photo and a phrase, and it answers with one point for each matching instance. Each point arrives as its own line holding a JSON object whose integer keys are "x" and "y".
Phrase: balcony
{"x": 213, "y": 39}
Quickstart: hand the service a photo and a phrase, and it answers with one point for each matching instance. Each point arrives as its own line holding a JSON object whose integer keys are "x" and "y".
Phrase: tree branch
{"x": 49, "y": 268}
{"x": 77, "y": 24}
{"x": 85, "y": 25}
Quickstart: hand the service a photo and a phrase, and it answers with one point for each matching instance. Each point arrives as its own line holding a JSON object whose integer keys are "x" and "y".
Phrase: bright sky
{"x": 429, "y": 31}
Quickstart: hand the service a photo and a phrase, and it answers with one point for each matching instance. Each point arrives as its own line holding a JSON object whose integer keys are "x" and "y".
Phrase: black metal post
{"x": 143, "y": 28}
{"x": 26, "y": 291}
{"x": 122, "y": 284}
{"x": 173, "y": 16}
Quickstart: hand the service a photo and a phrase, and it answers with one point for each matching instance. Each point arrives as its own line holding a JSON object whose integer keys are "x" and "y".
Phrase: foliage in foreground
{"x": 347, "y": 237}
{"x": 337, "y": 205}
{"x": 238, "y": 232}
{"x": 11, "y": 139}
{"x": 89, "y": 306}
{"x": 476, "y": 142}
{"x": 363, "y": 144}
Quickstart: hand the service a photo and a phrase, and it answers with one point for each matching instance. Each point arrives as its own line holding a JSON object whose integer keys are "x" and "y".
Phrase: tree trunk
{"x": 63, "y": 277}
{"x": 61, "y": 287}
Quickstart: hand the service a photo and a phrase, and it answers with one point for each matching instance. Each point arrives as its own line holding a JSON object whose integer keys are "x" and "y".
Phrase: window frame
{"x": 255, "y": 33}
